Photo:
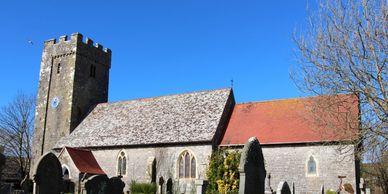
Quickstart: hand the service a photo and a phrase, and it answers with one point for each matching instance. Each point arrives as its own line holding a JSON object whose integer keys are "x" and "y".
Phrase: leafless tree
{"x": 16, "y": 123}
{"x": 343, "y": 50}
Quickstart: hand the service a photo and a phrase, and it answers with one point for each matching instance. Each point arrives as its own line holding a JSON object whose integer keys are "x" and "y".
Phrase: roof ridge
{"x": 265, "y": 101}
{"x": 291, "y": 98}
{"x": 168, "y": 95}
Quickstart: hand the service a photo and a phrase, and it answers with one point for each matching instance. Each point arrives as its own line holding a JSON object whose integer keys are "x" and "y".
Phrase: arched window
{"x": 187, "y": 165}
{"x": 121, "y": 164}
{"x": 311, "y": 166}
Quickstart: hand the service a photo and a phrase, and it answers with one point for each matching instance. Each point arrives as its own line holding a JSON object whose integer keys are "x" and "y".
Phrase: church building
{"x": 169, "y": 139}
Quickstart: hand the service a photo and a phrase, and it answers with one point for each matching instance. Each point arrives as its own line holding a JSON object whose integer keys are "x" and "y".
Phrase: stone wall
{"x": 139, "y": 164}
{"x": 289, "y": 163}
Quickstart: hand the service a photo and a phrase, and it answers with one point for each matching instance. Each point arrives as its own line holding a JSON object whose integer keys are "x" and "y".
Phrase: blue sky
{"x": 161, "y": 47}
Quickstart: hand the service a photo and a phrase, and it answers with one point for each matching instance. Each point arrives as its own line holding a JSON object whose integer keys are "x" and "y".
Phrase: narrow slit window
{"x": 59, "y": 68}
{"x": 92, "y": 71}
{"x": 311, "y": 166}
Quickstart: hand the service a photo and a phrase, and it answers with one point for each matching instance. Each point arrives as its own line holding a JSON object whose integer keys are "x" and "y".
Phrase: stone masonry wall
{"x": 139, "y": 161}
{"x": 289, "y": 163}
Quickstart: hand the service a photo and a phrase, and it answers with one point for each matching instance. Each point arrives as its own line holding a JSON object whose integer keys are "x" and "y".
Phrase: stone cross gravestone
{"x": 251, "y": 168}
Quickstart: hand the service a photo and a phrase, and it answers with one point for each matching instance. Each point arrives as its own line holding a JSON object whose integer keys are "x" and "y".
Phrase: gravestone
{"x": 283, "y": 188}
{"x": 115, "y": 185}
{"x": 26, "y": 184}
{"x": 251, "y": 168}
{"x": 161, "y": 182}
{"x": 169, "y": 186}
{"x": 48, "y": 175}
{"x": 97, "y": 184}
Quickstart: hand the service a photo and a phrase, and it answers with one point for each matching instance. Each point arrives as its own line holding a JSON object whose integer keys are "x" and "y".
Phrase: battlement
{"x": 78, "y": 38}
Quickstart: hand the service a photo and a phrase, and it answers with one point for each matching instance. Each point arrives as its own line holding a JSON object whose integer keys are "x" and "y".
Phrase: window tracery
{"x": 187, "y": 165}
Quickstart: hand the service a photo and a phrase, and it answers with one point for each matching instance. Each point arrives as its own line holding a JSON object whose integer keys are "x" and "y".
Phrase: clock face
{"x": 55, "y": 102}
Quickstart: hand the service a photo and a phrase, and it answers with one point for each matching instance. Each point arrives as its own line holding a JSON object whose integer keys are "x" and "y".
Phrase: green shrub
{"x": 142, "y": 188}
{"x": 222, "y": 172}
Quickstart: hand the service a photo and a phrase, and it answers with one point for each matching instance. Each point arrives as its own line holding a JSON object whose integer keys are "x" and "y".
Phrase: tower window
{"x": 59, "y": 68}
{"x": 92, "y": 71}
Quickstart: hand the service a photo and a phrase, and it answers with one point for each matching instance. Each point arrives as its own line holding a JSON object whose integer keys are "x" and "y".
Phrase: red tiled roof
{"x": 84, "y": 160}
{"x": 298, "y": 120}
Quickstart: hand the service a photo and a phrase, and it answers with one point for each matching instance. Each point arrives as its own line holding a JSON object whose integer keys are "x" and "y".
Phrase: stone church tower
{"x": 73, "y": 78}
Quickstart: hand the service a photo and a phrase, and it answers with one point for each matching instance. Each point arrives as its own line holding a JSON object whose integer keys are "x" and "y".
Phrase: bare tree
{"x": 342, "y": 50}
{"x": 16, "y": 124}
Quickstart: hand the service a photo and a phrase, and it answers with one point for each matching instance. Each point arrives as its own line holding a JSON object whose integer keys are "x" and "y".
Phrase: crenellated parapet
{"x": 77, "y": 38}
{"x": 76, "y": 44}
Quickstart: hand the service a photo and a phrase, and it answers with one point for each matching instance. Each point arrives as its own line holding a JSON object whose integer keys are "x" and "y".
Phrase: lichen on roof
{"x": 183, "y": 118}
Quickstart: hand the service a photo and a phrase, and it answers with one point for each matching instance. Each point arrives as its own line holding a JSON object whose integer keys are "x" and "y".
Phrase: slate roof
{"x": 182, "y": 118}
{"x": 84, "y": 160}
{"x": 294, "y": 120}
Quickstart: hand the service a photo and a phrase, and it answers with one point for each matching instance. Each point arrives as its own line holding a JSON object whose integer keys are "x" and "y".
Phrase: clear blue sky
{"x": 161, "y": 47}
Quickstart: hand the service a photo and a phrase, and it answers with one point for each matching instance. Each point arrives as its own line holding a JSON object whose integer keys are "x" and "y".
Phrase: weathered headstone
{"x": 161, "y": 182}
{"x": 26, "y": 184}
{"x": 283, "y": 188}
{"x": 48, "y": 175}
{"x": 169, "y": 186}
{"x": 115, "y": 185}
{"x": 251, "y": 168}
{"x": 96, "y": 184}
